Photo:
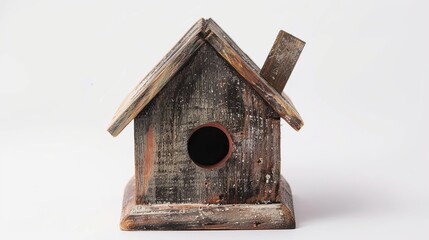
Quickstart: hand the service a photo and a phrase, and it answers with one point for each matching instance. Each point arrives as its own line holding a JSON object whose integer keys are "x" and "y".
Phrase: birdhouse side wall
{"x": 206, "y": 90}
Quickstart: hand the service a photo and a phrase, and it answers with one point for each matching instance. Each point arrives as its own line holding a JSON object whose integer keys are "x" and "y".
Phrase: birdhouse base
{"x": 194, "y": 216}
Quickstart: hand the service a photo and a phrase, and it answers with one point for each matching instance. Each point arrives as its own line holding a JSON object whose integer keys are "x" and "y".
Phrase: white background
{"x": 358, "y": 169}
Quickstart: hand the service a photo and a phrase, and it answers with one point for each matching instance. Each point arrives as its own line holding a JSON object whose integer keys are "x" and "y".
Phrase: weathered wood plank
{"x": 156, "y": 79}
{"x": 207, "y": 89}
{"x": 285, "y": 197}
{"x": 246, "y": 68}
{"x": 281, "y": 60}
{"x": 206, "y": 216}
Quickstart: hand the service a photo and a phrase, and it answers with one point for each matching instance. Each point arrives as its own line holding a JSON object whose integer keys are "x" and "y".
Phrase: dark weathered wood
{"x": 156, "y": 79}
{"x": 206, "y": 216}
{"x": 281, "y": 60}
{"x": 207, "y": 89}
{"x": 206, "y": 80}
{"x": 203, "y": 31}
{"x": 246, "y": 68}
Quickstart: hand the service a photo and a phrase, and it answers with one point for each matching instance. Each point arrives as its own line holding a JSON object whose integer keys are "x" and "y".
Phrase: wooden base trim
{"x": 207, "y": 217}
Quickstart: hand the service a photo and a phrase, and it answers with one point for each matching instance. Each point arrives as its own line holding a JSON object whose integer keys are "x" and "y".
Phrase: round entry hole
{"x": 209, "y": 145}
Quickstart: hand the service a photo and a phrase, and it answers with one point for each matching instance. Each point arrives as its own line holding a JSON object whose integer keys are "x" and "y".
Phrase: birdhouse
{"x": 207, "y": 136}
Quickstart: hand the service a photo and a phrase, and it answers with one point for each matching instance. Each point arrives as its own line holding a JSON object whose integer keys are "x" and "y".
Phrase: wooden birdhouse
{"x": 207, "y": 136}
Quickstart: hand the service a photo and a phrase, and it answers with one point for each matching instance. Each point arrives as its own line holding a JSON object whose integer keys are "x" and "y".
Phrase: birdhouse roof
{"x": 203, "y": 31}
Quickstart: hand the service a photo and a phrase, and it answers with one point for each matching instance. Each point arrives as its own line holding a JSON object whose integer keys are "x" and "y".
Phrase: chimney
{"x": 281, "y": 60}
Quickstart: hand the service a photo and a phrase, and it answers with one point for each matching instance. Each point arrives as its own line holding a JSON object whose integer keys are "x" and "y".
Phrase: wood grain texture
{"x": 281, "y": 60}
{"x": 203, "y": 31}
{"x": 207, "y": 89}
{"x": 246, "y": 68}
{"x": 207, "y": 216}
{"x": 285, "y": 197}
{"x": 143, "y": 93}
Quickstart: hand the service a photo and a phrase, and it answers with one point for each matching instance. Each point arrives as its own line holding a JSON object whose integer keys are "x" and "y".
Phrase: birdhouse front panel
{"x": 207, "y": 137}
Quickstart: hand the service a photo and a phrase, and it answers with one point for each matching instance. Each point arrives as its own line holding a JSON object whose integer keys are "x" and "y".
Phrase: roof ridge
{"x": 204, "y": 30}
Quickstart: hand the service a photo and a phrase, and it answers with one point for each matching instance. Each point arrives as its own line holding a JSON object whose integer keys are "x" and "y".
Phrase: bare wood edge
{"x": 192, "y": 216}
{"x": 246, "y": 68}
{"x": 284, "y": 53}
{"x": 157, "y": 78}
